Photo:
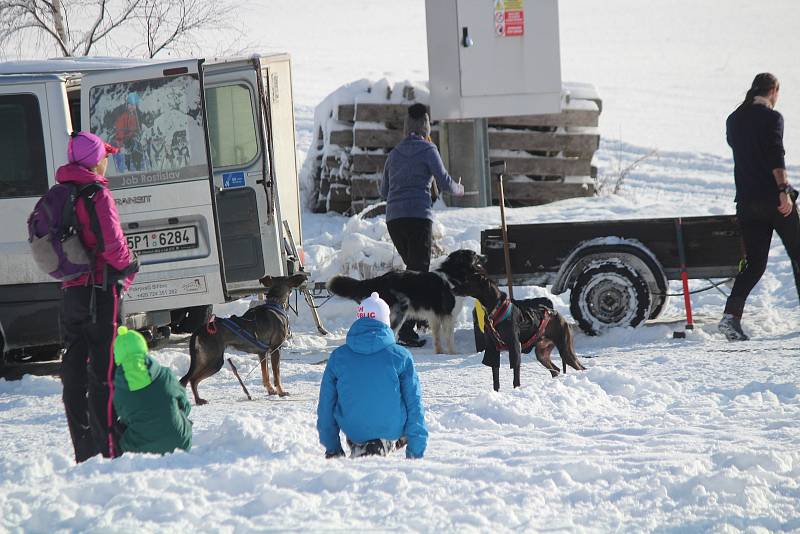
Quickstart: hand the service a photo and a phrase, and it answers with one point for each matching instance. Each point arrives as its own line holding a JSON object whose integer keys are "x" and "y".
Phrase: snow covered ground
{"x": 657, "y": 435}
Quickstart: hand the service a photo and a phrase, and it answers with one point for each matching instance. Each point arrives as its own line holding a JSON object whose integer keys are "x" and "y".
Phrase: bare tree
{"x": 172, "y": 25}
{"x": 80, "y": 27}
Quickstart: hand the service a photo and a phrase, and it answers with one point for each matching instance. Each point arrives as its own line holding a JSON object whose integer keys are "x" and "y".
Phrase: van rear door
{"x": 250, "y": 227}
{"x": 160, "y": 179}
{"x": 276, "y": 73}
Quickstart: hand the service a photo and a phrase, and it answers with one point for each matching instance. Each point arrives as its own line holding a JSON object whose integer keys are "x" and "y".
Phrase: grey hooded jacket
{"x": 407, "y": 177}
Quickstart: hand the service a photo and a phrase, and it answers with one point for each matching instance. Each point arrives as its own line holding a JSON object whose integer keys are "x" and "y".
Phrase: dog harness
{"x": 237, "y": 329}
{"x": 241, "y": 332}
{"x": 502, "y": 312}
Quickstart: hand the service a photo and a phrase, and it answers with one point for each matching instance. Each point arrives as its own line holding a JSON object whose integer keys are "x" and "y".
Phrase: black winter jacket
{"x": 755, "y": 133}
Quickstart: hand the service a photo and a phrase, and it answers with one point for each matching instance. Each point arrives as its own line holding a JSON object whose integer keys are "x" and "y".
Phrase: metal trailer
{"x": 617, "y": 271}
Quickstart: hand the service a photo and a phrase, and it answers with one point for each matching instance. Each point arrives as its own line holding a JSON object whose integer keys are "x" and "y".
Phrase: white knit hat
{"x": 375, "y": 308}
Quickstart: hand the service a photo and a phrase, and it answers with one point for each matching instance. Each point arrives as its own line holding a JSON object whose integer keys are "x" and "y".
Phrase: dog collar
{"x": 274, "y": 306}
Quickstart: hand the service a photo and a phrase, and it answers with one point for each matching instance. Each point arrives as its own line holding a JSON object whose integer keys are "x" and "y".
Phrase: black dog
{"x": 435, "y": 297}
{"x": 261, "y": 330}
{"x": 519, "y": 326}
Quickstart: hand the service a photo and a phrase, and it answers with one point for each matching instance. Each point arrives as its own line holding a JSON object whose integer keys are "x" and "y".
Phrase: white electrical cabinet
{"x": 491, "y": 58}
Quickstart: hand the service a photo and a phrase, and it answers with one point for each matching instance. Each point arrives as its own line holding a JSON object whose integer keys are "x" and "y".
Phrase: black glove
{"x": 792, "y": 192}
{"x": 337, "y": 454}
{"x": 133, "y": 266}
{"x": 115, "y": 275}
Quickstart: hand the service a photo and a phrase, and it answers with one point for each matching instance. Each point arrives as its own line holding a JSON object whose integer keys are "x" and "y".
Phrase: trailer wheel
{"x": 608, "y": 294}
{"x": 658, "y": 305}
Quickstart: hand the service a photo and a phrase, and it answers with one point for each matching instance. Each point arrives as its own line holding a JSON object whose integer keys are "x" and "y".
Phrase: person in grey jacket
{"x": 408, "y": 175}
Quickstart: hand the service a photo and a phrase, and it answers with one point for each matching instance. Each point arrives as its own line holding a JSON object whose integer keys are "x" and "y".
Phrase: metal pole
{"x": 687, "y": 301}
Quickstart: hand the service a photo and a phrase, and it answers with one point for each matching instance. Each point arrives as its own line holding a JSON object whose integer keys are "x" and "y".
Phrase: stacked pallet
{"x": 548, "y": 157}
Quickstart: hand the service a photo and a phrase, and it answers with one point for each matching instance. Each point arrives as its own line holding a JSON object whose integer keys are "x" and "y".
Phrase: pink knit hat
{"x": 87, "y": 150}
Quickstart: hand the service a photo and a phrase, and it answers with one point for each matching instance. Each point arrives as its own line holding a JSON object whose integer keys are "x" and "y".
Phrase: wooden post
{"x": 236, "y": 374}
{"x": 506, "y": 251}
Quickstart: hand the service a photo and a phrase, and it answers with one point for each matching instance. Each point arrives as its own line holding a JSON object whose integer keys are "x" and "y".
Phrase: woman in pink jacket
{"x": 91, "y": 304}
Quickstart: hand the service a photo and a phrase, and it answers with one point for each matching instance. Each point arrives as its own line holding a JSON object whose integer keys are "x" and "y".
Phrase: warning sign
{"x": 509, "y": 18}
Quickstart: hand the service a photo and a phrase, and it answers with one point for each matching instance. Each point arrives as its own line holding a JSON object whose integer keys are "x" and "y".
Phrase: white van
{"x": 205, "y": 181}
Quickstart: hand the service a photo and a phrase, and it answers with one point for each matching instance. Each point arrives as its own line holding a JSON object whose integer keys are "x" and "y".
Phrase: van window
{"x": 231, "y": 125}
{"x": 23, "y": 169}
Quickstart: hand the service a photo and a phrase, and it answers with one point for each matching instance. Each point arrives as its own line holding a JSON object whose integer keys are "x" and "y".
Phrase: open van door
{"x": 156, "y": 116}
{"x": 276, "y": 75}
{"x": 241, "y": 157}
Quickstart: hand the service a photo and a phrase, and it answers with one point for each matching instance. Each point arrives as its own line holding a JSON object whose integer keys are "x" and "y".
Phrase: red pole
{"x": 687, "y": 301}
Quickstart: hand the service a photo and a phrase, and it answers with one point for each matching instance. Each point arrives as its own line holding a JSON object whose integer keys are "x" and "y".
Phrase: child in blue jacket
{"x": 370, "y": 391}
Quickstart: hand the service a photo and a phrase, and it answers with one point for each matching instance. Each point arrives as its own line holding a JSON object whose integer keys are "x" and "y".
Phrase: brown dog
{"x": 519, "y": 327}
{"x": 262, "y": 330}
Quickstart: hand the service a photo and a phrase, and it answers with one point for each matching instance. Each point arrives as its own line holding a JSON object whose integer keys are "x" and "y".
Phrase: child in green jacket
{"x": 150, "y": 402}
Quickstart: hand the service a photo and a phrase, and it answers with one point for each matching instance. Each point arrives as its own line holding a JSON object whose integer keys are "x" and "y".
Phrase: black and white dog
{"x": 435, "y": 297}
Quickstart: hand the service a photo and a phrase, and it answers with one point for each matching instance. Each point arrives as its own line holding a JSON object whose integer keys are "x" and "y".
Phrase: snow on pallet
{"x": 548, "y": 157}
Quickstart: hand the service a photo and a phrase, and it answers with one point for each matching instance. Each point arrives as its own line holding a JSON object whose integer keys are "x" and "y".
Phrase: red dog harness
{"x": 501, "y": 313}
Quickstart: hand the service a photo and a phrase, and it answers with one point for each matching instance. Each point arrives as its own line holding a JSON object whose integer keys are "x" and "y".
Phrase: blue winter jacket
{"x": 407, "y": 178}
{"x": 370, "y": 390}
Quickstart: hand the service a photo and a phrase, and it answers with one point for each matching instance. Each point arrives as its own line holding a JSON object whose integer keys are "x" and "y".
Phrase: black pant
{"x": 757, "y": 220}
{"x": 412, "y": 238}
{"x": 87, "y": 369}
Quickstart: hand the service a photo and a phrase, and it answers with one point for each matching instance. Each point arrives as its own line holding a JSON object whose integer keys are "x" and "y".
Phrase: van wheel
{"x": 608, "y": 294}
{"x": 156, "y": 336}
{"x": 188, "y": 320}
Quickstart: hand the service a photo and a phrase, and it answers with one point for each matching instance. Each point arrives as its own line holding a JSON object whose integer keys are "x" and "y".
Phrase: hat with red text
{"x": 375, "y": 308}
{"x": 87, "y": 150}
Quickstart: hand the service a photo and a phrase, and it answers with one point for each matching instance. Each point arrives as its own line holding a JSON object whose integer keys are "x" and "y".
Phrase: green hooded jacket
{"x": 150, "y": 402}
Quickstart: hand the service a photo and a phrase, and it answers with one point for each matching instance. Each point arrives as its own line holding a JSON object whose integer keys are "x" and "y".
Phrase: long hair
{"x": 763, "y": 83}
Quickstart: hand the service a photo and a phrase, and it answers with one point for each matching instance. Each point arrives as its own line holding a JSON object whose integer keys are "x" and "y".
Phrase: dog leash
{"x": 261, "y": 360}
{"x": 236, "y": 329}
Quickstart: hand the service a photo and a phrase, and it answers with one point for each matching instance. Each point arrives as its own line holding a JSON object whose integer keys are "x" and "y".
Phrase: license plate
{"x": 169, "y": 240}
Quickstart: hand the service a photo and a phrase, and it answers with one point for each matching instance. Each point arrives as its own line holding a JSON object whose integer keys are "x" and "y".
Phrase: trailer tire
{"x": 658, "y": 304}
{"x": 608, "y": 294}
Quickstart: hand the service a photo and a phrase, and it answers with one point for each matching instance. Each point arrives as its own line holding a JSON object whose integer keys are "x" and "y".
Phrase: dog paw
{"x": 271, "y": 391}
{"x": 283, "y": 393}
{"x": 201, "y": 402}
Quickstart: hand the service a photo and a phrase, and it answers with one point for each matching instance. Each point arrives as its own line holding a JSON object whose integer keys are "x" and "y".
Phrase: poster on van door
{"x": 157, "y": 126}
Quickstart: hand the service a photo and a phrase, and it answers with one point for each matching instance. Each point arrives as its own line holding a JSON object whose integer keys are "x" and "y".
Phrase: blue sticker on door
{"x": 231, "y": 180}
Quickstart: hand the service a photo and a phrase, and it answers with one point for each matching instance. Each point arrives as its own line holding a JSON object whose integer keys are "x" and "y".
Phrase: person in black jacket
{"x": 764, "y": 198}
